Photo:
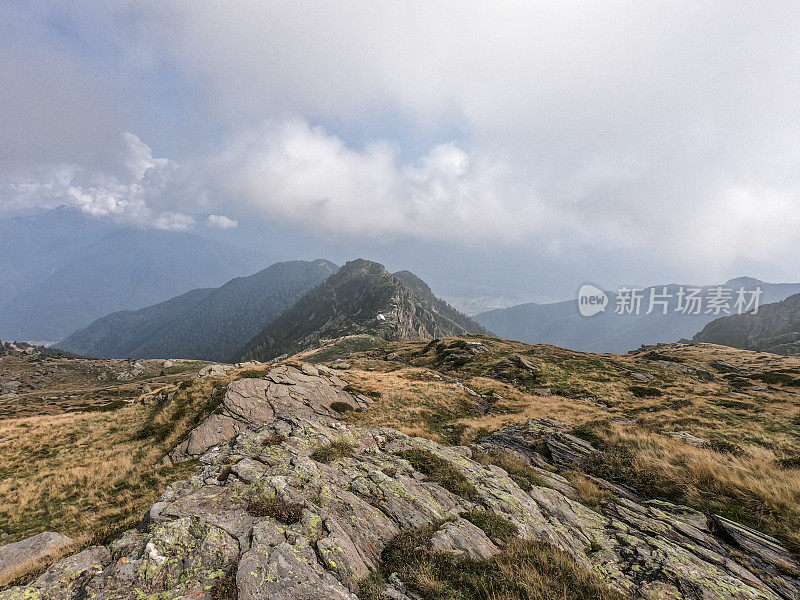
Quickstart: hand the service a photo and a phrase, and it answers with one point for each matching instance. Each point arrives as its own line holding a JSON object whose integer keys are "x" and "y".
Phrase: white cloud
{"x": 645, "y": 130}
{"x": 102, "y": 194}
{"x": 304, "y": 174}
{"x": 221, "y": 222}
{"x": 173, "y": 221}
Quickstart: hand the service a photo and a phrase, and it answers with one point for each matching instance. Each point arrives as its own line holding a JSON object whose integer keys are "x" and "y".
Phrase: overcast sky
{"x": 507, "y": 146}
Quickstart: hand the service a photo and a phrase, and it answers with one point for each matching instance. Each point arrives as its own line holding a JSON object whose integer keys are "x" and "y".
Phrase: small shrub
{"x": 342, "y": 407}
{"x": 278, "y": 508}
{"x": 495, "y": 526}
{"x": 225, "y": 587}
{"x": 442, "y": 472}
{"x": 642, "y": 391}
{"x": 335, "y": 450}
{"x": 224, "y": 474}
{"x": 371, "y": 587}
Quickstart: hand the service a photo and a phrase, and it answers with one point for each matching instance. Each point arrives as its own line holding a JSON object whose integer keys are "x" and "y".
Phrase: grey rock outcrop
{"x": 206, "y": 528}
{"x": 37, "y": 547}
{"x": 257, "y": 402}
{"x": 462, "y": 538}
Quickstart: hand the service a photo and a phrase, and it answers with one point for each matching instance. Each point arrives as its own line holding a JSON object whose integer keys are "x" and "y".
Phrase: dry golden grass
{"x": 751, "y": 488}
{"x": 523, "y": 570}
{"x": 91, "y": 475}
{"x": 748, "y": 471}
{"x": 409, "y": 401}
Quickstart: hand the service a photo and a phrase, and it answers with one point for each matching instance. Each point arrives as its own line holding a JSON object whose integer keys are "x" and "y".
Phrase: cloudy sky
{"x": 506, "y": 147}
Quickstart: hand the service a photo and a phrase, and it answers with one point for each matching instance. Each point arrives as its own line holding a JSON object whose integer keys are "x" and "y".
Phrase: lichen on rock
{"x": 352, "y": 507}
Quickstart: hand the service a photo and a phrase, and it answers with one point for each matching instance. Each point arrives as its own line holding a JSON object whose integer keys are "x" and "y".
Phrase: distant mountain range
{"x": 285, "y": 308}
{"x": 361, "y": 298}
{"x": 60, "y": 270}
{"x": 208, "y": 324}
{"x": 774, "y": 328}
{"x": 562, "y": 325}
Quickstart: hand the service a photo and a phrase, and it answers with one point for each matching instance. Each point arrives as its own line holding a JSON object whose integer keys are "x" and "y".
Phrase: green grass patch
{"x": 617, "y": 462}
{"x": 333, "y": 451}
{"x": 345, "y": 347}
{"x": 442, "y": 472}
{"x": 524, "y": 570}
{"x": 495, "y": 526}
{"x": 185, "y": 367}
{"x": 108, "y": 407}
{"x": 276, "y": 507}
{"x": 643, "y": 391}
{"x": 351, "y": 389}
{"x": 720, "y": 443}
{"x": 371, "y": 587}
{"x": 253, "y": 374}
{"x": 778, "y": 377}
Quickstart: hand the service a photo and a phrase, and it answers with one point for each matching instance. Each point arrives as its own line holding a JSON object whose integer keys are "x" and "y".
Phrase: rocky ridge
{"x": 773, "y": 328}
{"x": 269, "y": 447}
{"x": 361, "y": 298}
{"x": 202, "y": 324}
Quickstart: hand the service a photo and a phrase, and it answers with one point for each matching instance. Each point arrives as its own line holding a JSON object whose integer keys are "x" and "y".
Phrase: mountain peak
{"x": 746, "y": 282}
{"x": 414, "y": 283}
{"x": 209, "y": 324}
{"x": 360, "y": 266}
{"x": 361, "y": 298}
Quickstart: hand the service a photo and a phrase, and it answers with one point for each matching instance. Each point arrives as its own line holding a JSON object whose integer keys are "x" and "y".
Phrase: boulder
{"x": 724, "y": 367}
{"x": 30, "y": 550}
{"x": 462, "y": 538}
{"x": 685, "y": 436}
{"x": 309, "y": 369}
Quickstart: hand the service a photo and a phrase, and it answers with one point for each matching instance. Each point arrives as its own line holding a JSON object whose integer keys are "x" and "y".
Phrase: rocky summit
{"x": 290, "y": 503}
{"x": 361, "y": 298}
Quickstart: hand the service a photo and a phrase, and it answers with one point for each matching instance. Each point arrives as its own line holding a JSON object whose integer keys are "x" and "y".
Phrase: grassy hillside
{"x": 206, "y": 324}
{"x": 710, "y": 427}
{"x": 744, "y": 407}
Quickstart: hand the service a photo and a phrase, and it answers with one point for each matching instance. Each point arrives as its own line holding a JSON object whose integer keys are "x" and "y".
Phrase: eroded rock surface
{"x": 13, "y": 556}
{"x": 211, "y": 527}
